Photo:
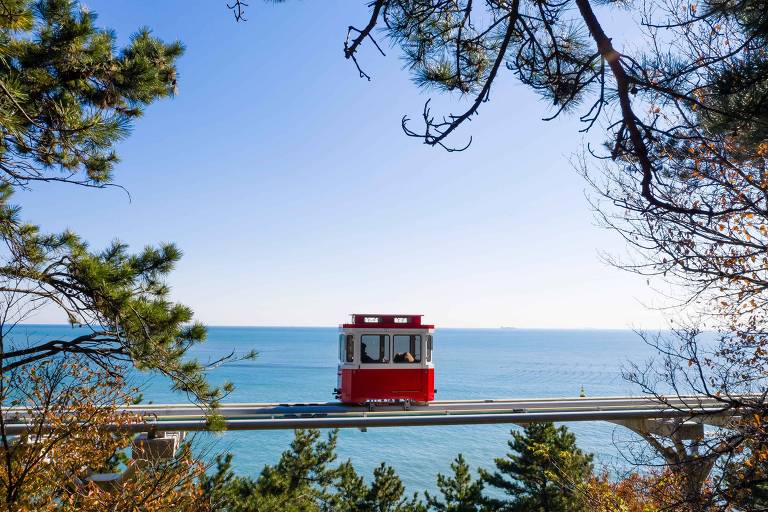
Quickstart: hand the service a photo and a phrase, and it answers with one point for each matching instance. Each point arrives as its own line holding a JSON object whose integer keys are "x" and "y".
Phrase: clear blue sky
{"x": 296, "y": 198}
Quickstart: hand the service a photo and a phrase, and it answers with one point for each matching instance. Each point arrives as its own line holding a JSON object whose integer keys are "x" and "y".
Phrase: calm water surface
{"x": 299, "y": 364}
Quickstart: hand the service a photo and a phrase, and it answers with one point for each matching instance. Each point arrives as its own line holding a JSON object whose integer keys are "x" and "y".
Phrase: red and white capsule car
{"x": 385, "y": 357}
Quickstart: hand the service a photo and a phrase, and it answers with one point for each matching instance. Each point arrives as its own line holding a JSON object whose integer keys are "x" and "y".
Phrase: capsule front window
{"x": 374, "y": 348}
{"x": 407, "y": 348}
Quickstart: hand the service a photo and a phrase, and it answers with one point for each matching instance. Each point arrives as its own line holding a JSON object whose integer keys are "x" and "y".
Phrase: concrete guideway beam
{"x": 408, "y": 418}
{"x": 495, "y": 405}
{"x": 269, "y": 410}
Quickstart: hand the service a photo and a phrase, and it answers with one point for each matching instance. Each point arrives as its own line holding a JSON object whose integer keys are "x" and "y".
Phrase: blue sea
{"x": 299, "y": 364}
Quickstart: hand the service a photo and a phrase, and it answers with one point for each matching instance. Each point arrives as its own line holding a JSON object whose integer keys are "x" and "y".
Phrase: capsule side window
{"x": 429, "y": 348}
{"x": 350, "y": 348}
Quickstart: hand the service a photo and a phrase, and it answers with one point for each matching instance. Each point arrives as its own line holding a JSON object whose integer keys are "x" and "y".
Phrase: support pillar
{"x": 147, "y": 448}
{"x": 679, "y": 443}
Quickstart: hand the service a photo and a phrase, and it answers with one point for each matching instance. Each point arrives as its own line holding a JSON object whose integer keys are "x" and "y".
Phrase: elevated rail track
{"x": 270, "y": 416}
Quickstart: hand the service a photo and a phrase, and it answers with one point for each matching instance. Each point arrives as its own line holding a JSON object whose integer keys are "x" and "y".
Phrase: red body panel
{"x": 415, "y": 384}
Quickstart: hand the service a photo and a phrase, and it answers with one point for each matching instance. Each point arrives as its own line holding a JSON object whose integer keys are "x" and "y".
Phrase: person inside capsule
{"x": 405, "y": 357}
{"x": 407, "y": 348}
{"x": 364, "y": 357}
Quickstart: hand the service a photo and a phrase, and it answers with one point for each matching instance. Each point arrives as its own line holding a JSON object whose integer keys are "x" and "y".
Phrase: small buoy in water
{"x": 582, "y": 393}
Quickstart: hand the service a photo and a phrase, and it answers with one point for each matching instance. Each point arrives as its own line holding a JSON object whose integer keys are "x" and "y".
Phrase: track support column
{"x": 679, "y": 442}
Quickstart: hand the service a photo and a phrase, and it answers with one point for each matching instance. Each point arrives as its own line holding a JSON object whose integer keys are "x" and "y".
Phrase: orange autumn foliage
{"x": 652, "y": 492}
{"x": 72, "y": 409}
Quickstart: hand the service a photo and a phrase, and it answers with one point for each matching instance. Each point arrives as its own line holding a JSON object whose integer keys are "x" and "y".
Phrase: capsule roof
{"x": 386, "y": 321}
